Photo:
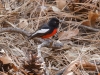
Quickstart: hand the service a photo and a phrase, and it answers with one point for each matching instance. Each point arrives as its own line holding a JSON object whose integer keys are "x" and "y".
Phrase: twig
{"x": 89, "y": 28}
{"x": 11, "y": 24}
{"x": 18, "y": 30}
{"x": 79, "y": 24}
{"x": 61, "y": 71}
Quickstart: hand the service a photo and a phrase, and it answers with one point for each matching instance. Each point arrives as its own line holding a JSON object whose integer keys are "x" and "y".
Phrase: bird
{"x": 46, "y": 30}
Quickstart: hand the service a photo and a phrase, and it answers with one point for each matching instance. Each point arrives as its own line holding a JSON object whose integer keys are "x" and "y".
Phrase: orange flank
{"x": 51, "y": 34}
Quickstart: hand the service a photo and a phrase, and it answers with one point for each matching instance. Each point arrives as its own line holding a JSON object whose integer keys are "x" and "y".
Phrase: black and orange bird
{"x": 46, "y": 30}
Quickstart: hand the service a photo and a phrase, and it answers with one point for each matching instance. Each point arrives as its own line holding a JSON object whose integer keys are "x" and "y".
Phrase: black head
{"x": 54, "y": 22}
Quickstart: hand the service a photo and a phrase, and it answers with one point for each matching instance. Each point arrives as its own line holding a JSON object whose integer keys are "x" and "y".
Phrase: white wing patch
{"x": 41, "y": 31}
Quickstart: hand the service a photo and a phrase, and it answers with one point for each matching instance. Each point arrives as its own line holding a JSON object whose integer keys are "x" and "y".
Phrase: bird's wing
{"x": 40, "y": 32}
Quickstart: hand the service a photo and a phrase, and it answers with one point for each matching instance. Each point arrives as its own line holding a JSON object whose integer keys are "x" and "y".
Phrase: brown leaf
{"x": 55, "y": 9}
{"x": 86, "y": 22}
{"x": 61, "y": 4}
{"x": 5, "y": 59}
{"x": 92, "y": 17}
{"x": 98, "y": 73}
{"x": 14, "y": 67}
{"x": 23, "y": 23}
{"x": 68, "y": 34}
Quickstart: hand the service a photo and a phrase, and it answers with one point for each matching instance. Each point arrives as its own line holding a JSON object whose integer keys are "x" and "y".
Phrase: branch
{"x": 17, "y": 30}
{"x": 89, "y": 28}
{"x": 73, "y": 23}
{"x": 47, "y": 43}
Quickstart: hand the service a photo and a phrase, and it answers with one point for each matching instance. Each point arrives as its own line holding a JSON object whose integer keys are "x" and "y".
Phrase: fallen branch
{"x": 89, "y": 28}
{"x": 41, "y": 59}
{"x": 47, "y": 43}
{"x": 73, "y": 23}
{"x": 18, "y": 30}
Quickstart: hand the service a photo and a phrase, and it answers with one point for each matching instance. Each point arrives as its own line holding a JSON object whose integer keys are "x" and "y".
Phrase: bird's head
{"x": 54, "y": 22}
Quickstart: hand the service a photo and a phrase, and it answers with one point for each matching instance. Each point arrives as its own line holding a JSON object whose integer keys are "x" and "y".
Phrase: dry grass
{"x": 30, "y": 14}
